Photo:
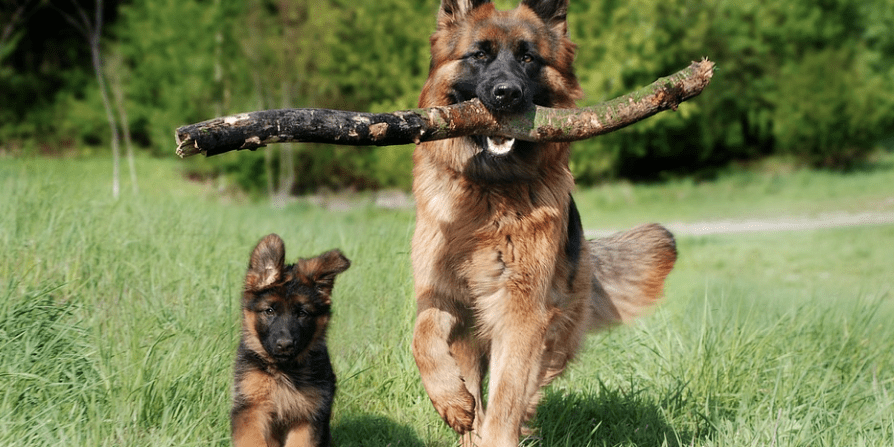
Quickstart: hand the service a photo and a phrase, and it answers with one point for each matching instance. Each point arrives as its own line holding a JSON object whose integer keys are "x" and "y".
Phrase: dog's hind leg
{"x": 441, "y": 375}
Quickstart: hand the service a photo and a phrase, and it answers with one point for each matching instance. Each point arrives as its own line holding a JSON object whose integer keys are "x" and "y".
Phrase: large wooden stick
{"x": 257, "y": 129}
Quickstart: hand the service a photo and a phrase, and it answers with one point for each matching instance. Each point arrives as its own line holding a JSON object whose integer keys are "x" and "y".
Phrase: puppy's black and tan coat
{"x": 284, "y": 384}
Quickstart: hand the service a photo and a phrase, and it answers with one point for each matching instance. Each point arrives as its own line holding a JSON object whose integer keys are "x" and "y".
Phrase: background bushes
{"x": 807, "y": 79}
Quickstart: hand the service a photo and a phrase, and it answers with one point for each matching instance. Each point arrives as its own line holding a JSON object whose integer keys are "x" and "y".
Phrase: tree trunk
{"x": 92, "y": 31}
{"x": 287, "y": 151}
{"x": 114, "y": 72}
{"x": 116, "y": 150}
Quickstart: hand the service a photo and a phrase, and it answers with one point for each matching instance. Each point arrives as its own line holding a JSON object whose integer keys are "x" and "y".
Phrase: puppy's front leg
{"x": 440, "y": 373}
{"x": 251, "y": 427}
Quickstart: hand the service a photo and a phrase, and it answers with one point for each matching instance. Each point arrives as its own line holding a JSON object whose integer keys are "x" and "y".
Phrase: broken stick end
{"x": 705, "y": 67}
{"x": 187, "y": 149}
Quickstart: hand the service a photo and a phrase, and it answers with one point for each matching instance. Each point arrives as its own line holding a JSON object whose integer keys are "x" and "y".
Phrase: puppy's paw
{"x": 458, "y": 410}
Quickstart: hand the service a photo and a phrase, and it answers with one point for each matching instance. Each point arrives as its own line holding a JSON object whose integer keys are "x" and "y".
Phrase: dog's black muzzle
{"x": 503, "y": 86}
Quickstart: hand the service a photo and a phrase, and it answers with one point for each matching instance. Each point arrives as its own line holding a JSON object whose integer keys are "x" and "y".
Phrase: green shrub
{"x": 811, "y": 80}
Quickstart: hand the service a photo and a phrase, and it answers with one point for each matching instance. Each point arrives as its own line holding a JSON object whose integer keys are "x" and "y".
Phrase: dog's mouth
{"x": 498, "y": 145}
{"x": 283, "y": 354}
{"x": 282, "y": 358}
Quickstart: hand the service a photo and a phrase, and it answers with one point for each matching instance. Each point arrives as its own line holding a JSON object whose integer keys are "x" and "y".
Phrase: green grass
{"x": 768, "y": 192}
{"x": 119, "y": 319}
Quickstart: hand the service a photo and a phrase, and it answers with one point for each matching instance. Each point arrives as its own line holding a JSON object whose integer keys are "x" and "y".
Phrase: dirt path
{"x": 402, "y": 200}
{"x": 831, "y": 220}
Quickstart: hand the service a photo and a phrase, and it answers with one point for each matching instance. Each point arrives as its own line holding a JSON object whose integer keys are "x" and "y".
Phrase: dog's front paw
{"x": 458, "y": 410}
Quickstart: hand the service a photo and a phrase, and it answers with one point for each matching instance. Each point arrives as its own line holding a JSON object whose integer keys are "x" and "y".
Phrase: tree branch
{"x": 257, "y": 129}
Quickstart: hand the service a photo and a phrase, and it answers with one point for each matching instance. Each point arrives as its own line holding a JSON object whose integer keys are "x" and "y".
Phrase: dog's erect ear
{"x": 322, "y": 270}
{"x": 552, "y": 12}
{"x": 453, "y": 11}
{"x": 266, "y": 263}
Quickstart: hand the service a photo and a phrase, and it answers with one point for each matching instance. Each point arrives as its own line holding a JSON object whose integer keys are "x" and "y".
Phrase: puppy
{"x": 284, "y": 384}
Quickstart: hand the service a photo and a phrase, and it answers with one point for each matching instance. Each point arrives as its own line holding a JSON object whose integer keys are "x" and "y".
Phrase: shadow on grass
{"x": 611, "y": 417}
{"x": 607, "y": 417}
{"x": 373, "y": 431}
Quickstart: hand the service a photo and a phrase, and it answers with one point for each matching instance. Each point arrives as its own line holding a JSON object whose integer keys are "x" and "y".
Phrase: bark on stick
{"x": 258, "y": 129}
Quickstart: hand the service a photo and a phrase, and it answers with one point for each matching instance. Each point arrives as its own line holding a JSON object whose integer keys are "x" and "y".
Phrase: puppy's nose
{"x": 284, "y": 344}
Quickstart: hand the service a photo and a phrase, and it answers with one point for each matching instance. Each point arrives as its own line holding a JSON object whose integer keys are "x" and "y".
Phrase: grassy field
{"x": 119, "y": 319}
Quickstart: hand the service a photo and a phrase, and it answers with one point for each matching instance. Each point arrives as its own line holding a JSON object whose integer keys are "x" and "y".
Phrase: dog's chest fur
{"x": 479, "y": 237}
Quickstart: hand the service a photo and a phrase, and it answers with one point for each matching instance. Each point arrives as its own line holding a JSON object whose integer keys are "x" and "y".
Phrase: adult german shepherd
{"x": 505, "y": 281}
{"x": 284, "y": 384}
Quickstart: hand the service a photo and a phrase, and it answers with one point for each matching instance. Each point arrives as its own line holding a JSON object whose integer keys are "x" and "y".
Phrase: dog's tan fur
{"x": 505, "y": 282}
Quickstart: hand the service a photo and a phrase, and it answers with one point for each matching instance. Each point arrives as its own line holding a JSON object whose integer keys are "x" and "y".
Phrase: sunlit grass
{"x": 119, "y": 319}
{"x": 768, "y": 193}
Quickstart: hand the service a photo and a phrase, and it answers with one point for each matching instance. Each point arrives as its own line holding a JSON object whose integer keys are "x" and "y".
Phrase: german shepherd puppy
{"x": 504, "y": 280}
{"x": 284, "y": 384}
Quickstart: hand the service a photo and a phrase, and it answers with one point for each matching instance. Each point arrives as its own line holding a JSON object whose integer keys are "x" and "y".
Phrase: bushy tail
{"x": 629, "y": 269}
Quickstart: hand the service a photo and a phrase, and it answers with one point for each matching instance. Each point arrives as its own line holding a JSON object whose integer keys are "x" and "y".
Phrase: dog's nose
{"x": 284, "y": 344}
{"x": 506, "y": 95}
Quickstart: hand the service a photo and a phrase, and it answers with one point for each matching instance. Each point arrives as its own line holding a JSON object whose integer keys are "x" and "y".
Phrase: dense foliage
{"x": 811, "y": 79}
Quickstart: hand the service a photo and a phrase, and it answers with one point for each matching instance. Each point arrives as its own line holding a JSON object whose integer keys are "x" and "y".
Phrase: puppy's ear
{"x": 320, "y": 272}
{"x": 266, "y": 263}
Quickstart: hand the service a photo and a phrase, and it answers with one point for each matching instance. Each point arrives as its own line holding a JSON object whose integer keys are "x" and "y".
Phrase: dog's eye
{"x": 526, "y": 58}
{"x": 480, "y": 55}
{"x": 270, "y": 311}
